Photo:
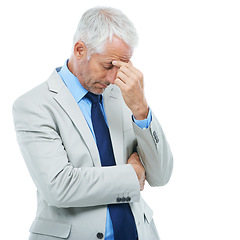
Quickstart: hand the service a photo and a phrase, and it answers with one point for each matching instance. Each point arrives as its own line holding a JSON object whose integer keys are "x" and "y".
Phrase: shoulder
{"x": 41, "y": 94}
{"x": 31, "y": 97}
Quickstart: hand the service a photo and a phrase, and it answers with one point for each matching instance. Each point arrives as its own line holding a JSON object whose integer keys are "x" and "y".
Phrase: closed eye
{"x": 108, "y": 67}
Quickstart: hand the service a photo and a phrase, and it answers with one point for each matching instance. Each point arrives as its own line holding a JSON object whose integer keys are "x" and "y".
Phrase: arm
{"x": 154, "y": 152}
{"x": 57, "y": 180}
{"x": 153, "y": 148}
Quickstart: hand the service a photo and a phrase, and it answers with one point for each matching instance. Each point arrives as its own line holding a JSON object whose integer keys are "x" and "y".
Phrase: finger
{"x": 131, "y": 71}
{"x": 122, "y": 76}
{"x": 135, "y": 154}
{"x": 130, "y": 62}
{"x": 126, "y": 66}
{"x": 127, "y": 71}
{"x": 137, "y": 72}
{"x": 141, "y": 187}
{"x": 129, "y": 77}
{"x": 118, "y": 63}
{"x": 131, "y": 80}
{"x": 120, "y": 83}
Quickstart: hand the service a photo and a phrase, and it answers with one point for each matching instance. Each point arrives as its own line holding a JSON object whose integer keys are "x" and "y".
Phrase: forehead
{"x": 117, "y": 49}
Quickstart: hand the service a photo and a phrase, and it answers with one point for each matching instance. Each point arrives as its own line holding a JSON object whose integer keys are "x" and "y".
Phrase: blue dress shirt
{"x": 78, "y": 92}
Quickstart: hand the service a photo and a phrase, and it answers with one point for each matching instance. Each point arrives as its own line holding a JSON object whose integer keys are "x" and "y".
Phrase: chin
{"x": 97, "y": 91}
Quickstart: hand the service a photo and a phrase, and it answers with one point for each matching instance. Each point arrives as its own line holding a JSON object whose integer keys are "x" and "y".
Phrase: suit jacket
{"x": 73, "y": 190}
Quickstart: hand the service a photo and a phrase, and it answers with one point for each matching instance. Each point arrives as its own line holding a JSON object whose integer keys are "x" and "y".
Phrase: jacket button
{"x": 155, "y": 137}
{"x": 128, "y": 199}
{"x": 119, "y": 199}
{"x": 99, "y": 235}
{"x": 124, "y": 199}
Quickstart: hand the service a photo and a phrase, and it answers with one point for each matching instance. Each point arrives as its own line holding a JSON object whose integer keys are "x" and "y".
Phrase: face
{"x": 97, "y": 73}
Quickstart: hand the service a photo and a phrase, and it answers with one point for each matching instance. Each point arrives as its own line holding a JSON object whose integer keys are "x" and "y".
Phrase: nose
{"x": 111, "y": 75}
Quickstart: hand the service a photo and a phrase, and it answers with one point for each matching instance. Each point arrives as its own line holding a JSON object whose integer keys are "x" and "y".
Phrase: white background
{"x": 189, "y": 52}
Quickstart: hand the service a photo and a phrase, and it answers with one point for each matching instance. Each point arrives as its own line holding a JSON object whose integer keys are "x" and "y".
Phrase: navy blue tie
{"x": 124, "y": 226}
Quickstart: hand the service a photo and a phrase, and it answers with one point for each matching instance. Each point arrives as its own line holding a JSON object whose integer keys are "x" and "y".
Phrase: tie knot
{"x": 93, "y": 97}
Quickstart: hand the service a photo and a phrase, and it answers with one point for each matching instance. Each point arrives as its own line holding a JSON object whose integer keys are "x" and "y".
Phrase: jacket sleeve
{"x": 57, "y": 180}
{"x": 154, "y": 153}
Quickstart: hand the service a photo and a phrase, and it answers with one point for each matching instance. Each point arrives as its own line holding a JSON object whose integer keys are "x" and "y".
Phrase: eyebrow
{"x": 122, "y": 60}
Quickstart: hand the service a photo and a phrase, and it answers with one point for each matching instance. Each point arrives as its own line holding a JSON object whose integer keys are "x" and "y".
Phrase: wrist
{"x": 141, "y": 113}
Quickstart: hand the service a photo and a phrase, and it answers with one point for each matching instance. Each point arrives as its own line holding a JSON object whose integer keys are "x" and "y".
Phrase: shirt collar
{"x": 72, "y": 82}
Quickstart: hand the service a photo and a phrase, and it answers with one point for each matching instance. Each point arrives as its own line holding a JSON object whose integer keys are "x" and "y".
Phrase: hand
{"x": 130, "y": 81}
{"x": 139, "y": 169}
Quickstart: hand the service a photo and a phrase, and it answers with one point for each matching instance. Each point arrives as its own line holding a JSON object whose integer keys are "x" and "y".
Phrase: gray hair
{"x": 99, "y": 24}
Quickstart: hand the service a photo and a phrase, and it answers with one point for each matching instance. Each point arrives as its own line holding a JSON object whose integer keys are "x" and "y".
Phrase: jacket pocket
{"x": 50, "y": 228}
{"x": 149, "y": 225}
{"x": 148, "y": 213}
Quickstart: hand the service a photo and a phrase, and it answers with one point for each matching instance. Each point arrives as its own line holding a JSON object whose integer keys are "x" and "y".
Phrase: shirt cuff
{"x": 145, "y": 123}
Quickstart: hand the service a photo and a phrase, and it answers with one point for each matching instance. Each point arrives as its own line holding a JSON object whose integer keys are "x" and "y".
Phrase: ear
{"x": 80, "y": 50}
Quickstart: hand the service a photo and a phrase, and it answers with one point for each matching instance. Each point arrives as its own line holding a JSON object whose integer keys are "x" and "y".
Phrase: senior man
{"x": 90, "y": 140}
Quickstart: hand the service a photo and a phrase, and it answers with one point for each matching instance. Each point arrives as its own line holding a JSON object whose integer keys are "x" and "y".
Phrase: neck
{"x": 70, "y": 65}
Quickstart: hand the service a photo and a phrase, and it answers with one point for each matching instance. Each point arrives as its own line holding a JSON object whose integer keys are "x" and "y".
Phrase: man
{"x": 89, "y": 139}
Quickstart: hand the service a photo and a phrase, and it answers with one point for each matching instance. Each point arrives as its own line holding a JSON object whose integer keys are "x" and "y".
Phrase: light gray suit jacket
{"x": 73, "y": 190}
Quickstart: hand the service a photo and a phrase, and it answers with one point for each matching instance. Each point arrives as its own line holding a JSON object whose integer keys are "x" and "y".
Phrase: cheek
{"x": 99, "y": 74}
{"x": 95, "y": 73}
{"x": 90, "y": 75}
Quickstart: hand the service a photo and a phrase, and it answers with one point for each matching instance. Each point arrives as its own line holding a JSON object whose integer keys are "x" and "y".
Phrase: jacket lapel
{"x": 68, "y": 103}
{"x": 113, "y": 110}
